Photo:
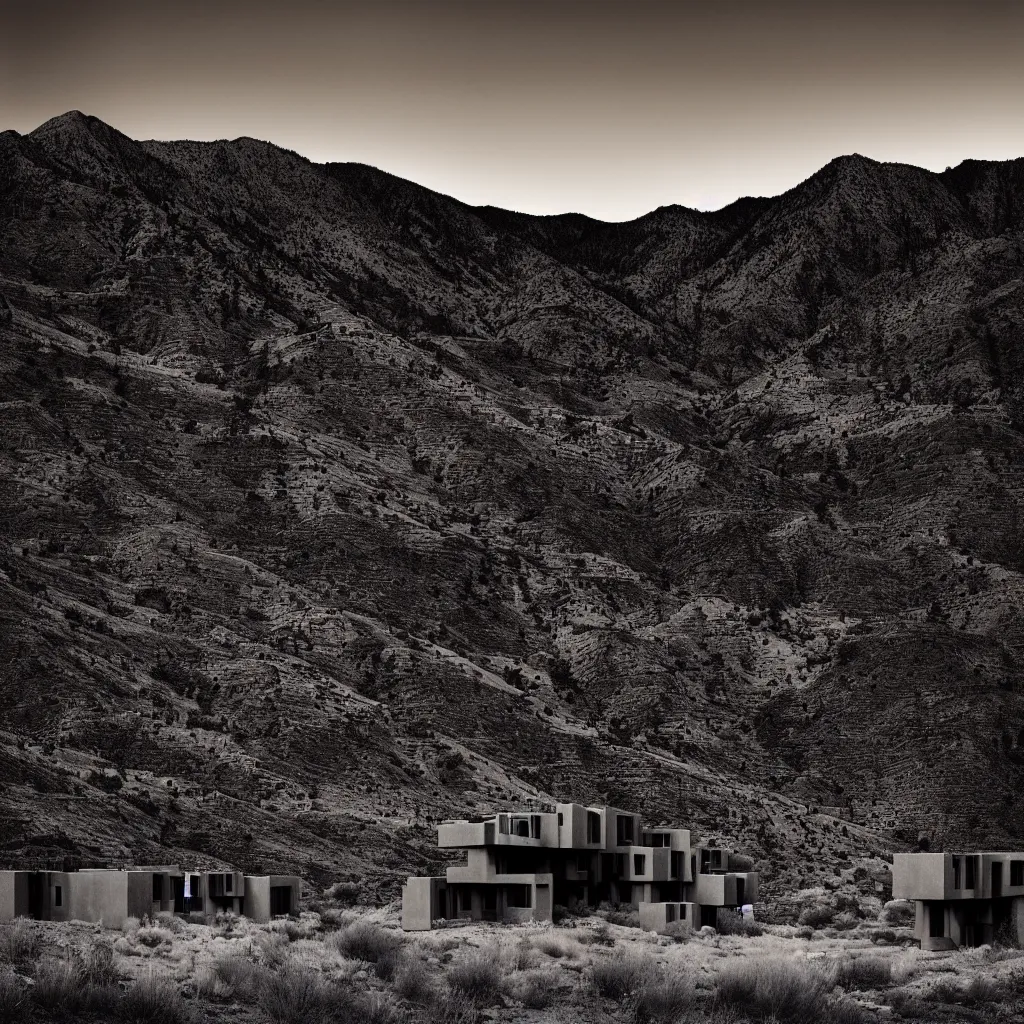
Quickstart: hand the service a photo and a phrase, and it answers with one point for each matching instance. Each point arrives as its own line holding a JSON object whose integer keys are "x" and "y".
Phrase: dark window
{"x": 560, "y": 821}
{"x": 677, "y": 864}
{"x": 1017, "y": 872}
{"x": 593, "y": 827}
{"x": 972, "y": 870}
{"x": 535, "y": 826}
{"x": 517, "y": 896}
{"x": 639, "y": 862}
{"x": 158, "y": 888}
{"x": 670, "y": 913}
{"x": 58, "y": 896}
{"x": 583, "y": 862}
{"x": 682, "y": 911}
{"x": 705, "y": 861}
{"x": 624, "y": 830}
{"x": 937, "y": 917}
{"x": 523, "y": 828}
{"x": 958, "y": 874}
{"x": 280, "y": 900}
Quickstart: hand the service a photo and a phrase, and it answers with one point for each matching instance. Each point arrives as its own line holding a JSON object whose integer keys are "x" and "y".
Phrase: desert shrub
{"x": 295, "y": 996}
{"x": 662, "y": 999}
{"x": 373, "y": 1008}
{"x": 627, "y": 918}
{"x": 98, "y": 964}
{"x": 616, "y": 977}
{"x": 130, "y": 925}
{"x": 273, "y": 948}
{"x": 596, "y": 936}
{"x": 898, "y": 912}
{"x": 62, "y": 990}
{"x": 241, "y": 976}
{"x": 909, "y": 1004}
{"x": 977, "y": 992}
{"x": 678, "y": 931}
{"x": 171, "y": 922}
{"x": 804, "y": 932}
{"x": 20, "y": 941}
{"x": 154, "y": 935}
{"x": 730, "y": 922}
{"x": 534, "y": 989}
{"x": 365, "y": 941}
{"x": 345, "y": 893}
{"x": 556, "y": 946}
{"x": 14, "y": 1002}
{"x": 388, "y": 963}
{"x": 783, "y": 991}
{"x": 153, "y": 1000}
{"x": 821, "y": 915}
{"x": 209, "y": 986}
{"x": 884, "y": 937}
{"x": 477, "y": 977}
{"x": 863, "y": 973}
{"x": 413, "y": 982}
{"x": 450, "y": 1008}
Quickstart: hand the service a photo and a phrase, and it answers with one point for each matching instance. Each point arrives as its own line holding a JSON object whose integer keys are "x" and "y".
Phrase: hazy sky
{"x": 608, "y": 108}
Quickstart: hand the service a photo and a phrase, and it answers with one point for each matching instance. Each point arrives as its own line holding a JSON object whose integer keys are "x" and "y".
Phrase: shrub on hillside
{"x": 821, "y": 915}
{"x": 20, "y": 941}
{"x": 414, "y": 983}
{"x": 899, "y": 912}
{"x": 365, "y": 940}
{"x": 617, "y": 977}
{"x": 14, "y": 1001}
{"x": 153, "y": 1001}
{"x": 297, "y": 996}
{"x": 477, "y": 977}
{"x": 782, "y": 991}
{"x": 663, "y": 998}
{"x": 863, "y": 973}
{"x": 534, "y": 989}
{"x": 62, "y": 990}
{"x": 731, "y": 922}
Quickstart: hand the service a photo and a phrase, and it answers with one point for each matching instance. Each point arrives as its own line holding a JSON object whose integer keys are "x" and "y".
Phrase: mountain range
{"x": 333, "y": 507}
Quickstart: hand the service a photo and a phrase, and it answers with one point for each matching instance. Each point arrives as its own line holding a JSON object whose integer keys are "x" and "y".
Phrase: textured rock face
{"x": 331, "y": 506}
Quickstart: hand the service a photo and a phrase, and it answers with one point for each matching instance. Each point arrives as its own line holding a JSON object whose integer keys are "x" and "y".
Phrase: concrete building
{"x": 519, "y": 866}
{"x": 111, "y": 896}
{"x": 961, "y": 899}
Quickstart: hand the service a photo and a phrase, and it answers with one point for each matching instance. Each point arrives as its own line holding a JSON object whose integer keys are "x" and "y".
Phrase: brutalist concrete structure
{"x": 519, "y": 866}
{"x": 961, "y": 899}
{"x": 110, "y": 896}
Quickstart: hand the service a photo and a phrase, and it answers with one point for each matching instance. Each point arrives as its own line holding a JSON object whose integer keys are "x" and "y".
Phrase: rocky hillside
{"x": 332, "y": 507}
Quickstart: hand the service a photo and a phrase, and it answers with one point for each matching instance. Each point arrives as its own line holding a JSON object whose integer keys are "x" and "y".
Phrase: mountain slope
{"x": 332, "y": 507}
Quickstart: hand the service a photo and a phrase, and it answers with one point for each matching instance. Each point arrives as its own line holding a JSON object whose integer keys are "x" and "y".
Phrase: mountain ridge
{"x": 333, "y": 507}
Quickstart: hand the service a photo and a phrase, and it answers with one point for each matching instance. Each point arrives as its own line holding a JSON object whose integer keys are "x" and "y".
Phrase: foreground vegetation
{"x": 344, "y": 965}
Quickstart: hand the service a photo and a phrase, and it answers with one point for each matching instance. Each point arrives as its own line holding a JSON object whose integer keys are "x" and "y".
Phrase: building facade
{"x": 961, "y": 899}
{"x": 111, "y": 896}
{"x": 519, "y": 866}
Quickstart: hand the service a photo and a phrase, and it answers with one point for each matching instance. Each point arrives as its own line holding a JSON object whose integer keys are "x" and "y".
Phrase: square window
{"x": 639, "y": 863}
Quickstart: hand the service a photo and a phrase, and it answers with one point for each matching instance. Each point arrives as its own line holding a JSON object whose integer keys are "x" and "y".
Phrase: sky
{"x": 605, "y": 108}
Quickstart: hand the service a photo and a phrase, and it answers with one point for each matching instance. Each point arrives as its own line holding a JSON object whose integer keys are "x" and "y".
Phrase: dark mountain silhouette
{"x": 333, "y": 506}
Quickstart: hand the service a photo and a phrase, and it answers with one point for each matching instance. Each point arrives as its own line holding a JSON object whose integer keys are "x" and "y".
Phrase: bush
{"x": 616, "y": 977}
{"x": 98, "y": 965}
{"x": 62, "y": 989}
{"x": 821, "y": 915}
{"x": 345, "y": 893}
{"x": 884, "y": 937}
{"x": 863, "y": 973}
{"x": 153, "y": 1001}
{"x": 977, "y": 992}
{"x": 413, "y": 983}
{"x": 478, "y": 977}
{"x": 20, "y": 941}
{"x": 451, "y": 1008}
{"x": 679, "y": 931}
{"x": 556, "y": 946}
{"x": 663, "y": 999}
{"x": 14, "y": 1003}
{"x": 242, "y": 977}
{"x": 731, "y": 922}
{"x": 295, "y": 996}
{"x": 365, "y": 941}
{"x": 154, "y": 935}
{"x": 626, "y": 918}
{"x": 596, "y": 936}
{"x": 534, "y": 989}
{"x": 783, "y": 991}
{"x": 899, "y": 913}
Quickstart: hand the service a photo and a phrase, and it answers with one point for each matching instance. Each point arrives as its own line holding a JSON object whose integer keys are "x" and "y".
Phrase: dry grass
{"x": 478, "y": 977}
{"x": 63, "y": 990}
{"x": 662, "y": 998}
{"x": 20, "y": 941}
{"x": 618, "y": 976}
{"x": 153, "y": 1000}
{"x": 557, "y": 945}
{"x": 14, "y": 1000}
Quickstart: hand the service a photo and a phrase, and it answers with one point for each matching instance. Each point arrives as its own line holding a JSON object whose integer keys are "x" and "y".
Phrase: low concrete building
{"x": 520, "y": 865}
{"x": 110, "y": 896}
{"x": 961, "y": 899}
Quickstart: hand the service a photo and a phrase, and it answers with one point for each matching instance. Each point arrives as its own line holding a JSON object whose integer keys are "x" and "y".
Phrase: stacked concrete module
{"x": 111, "y": 896}
{"x": 962, "y": 899}
{"x": 519, "y": 866}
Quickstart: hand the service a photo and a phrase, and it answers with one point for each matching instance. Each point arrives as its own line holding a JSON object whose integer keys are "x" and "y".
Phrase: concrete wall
{"x": 421, "y": 902}
{"x": 90, "y": 896}
{"x": 13, "y": 895}
{"x": 654, "y": 916}
{"x": 921, "y": 876}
